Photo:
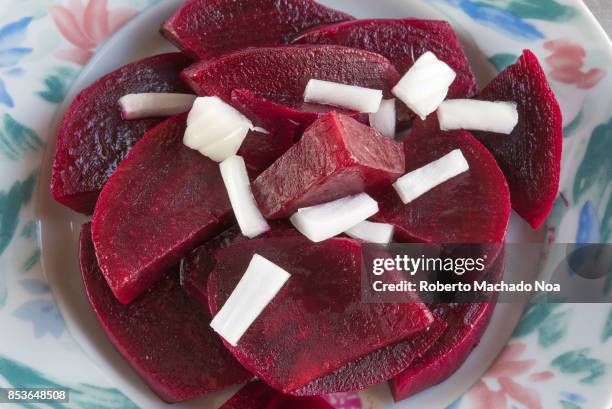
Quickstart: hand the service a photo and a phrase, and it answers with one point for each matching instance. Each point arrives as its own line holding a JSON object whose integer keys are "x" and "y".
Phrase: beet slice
{"x": 164, "y": 334}
{"x": 93, "y": 138}
{"x": 269, "y": 113}
{"x": 285, "y": 71}
{"x": 261, "y": 149}
{"x": 336, "y": 157}
{"x": 205, "y": 28}
{"x": 258, "y": 395}
{"x": 472, "y": 208}
{"x": 531, "y": 156}
{"x": 163, "y": 200}
{"x": 376, "y": 367}
{"x": 317, "y": 322}
{"x": 402, "y": 41}
{"x": 466, "y": 323}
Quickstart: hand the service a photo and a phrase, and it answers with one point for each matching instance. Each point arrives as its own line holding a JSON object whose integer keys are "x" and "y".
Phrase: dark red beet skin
{"x": 376, "y": 367}
{"x": 473, "y": 207}
{"x": 317, "y": 322}
{"x": 163, "y": 200}
{"x": 205, "y": 28}
{"x": 164, "y": 335}
{"x": 402, "y": 42}
{"x": 336, "y": 157}
{"x": 530, "y": 157}
{"x": 285, "y": 71}
{"x": 258, "y": 395}
{"x": 93, "y": 138}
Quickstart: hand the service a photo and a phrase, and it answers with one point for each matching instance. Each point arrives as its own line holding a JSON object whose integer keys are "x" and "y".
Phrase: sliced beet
{"x": 472, "y": 208}
{"x": 530, "y": 157}
{"x": 336, "y": 157}
{"x": 285, "y": 71}
{"x": 317, "y": 322}
{"x": 164, "y": 334}
{"x": 402, "y": 41}
{"x": 205, "y": 28}
{"x": 93, "y": 138}
{"x": 163, "y": 200}
{"x": 268, "y": 113}
{"x": 261, "y": 149}
{"x": 376, "y": 367}
{"x": 258, "y": 395}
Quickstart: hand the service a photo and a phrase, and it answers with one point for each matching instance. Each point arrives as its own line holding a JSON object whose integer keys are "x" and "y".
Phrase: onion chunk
{"x": 327, "y": 220}
{"x": 425, "y": 85}
{"x": 152, "y": 105}
{"x": 358, "y": 99}
{"x": 380, "y": 233}
{"x": 418, "y": 182}
{"x": 257, "y": 287}
{"x": 236, "y": 179}
{"x": 474, "y": 115}
{"x": 384, "y": 121}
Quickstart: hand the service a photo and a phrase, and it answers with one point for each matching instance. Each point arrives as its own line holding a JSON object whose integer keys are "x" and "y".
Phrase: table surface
{"x": 603, "y": 11}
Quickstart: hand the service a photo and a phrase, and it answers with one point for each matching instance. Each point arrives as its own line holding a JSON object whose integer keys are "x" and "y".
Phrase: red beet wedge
{"x": 376, "y": 367}
{"x": 285, "y": 71}
{"x": 164, "y": 334}
{"x": 93, "y": 138}
{"x": 402, "y": 42}
{"x": 473, "y": 207}
{"x": 258, "y": 395}
{"x": 205, "y": 28}
{"x": 163, "y": 200}
{"x": 531, "y": 156}
{"x": 317, "y": 322}
{"x": 336, "y": 157}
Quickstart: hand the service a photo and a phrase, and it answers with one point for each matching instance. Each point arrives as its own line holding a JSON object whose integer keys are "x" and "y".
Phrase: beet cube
{"x": 258, "y": 395}
{"x": 530, "y": 157}
{"x": 336, "y": 157}
{"x": 93, "y": 138}
{"x": 205, "y": 28}
{"x": 317, "y": 322}
{"x": 164, "y": 335}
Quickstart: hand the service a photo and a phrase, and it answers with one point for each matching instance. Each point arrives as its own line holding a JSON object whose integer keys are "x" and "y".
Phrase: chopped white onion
{"x": 151, "y": 105}
{"x": 257, "y": 287}
{"x": 215, "y": 128}
{"x": 420, "y": 181}
{"x": 236, "y": 179}
{"x": 425, "y": 85}
{"x": 384, "y": 120}
{"x": 474, "y": 115}
{"x": 327, "y": 220}
{"x": 372, "y": 232}
{"x": 341, "y": 95}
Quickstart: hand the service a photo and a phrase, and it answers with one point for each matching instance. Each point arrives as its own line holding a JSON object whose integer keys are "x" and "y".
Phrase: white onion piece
{"x": 341, "y": 95}
{"x": 215, "y": 128}
{"x": 327, "y": 220}
{"x": 381, "y": 233}
{"x": 425, "y": 85}
{"x": 418, "y": 182}
{"x": 385, "y": 119}
{"x": 151, "y": 105}
{"x": 257, "y": 287}
{"x": 236, "y": 179}
{"x": 474, "y": 115}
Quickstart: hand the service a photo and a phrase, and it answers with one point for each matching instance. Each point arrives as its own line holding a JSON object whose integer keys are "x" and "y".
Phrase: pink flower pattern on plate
{"x": 86, "y": 26}
{"x": 567, "y": 62}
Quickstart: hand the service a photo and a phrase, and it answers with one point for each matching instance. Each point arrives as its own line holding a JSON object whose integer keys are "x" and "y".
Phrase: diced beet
{"x": 164, "y": 334}
{"x": 260, "y": 149}
{"x": 376, "y": 367}
{"x": 317, "y": 322}
{"x": 336, "y": 157}
{"x": 258, "y": 395}
{"x": 531, "y": 156}
{"x": 472, "y": 208}
{"x": 205, "y": 28}
{"x": 93, "y": 138}
{"x": 466, "y": 323}
{"x": 269, "y": 113}
{"x": 285, "y": 71}
{"x": 163, "y": 200}
{"x": 402, "y": 42}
